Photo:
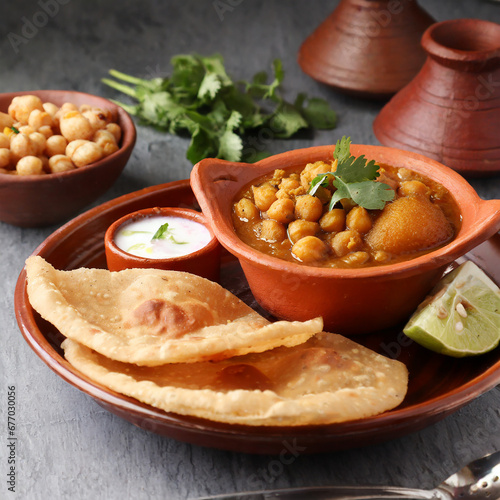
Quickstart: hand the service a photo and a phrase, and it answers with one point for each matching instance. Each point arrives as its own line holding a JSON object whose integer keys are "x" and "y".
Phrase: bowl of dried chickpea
{"x": 59, "y": 151}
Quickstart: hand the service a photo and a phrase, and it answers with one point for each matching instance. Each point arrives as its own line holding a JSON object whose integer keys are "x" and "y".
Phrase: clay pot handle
{"x": 488, "y": 216}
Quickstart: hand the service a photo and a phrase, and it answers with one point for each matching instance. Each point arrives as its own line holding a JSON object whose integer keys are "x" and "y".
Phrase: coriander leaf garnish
{"x": 353, "y": 179}
{"x": 161, "y": 233}
{"x": 15, "y": 130}
{"x": 219, "y": 114}
{"x": 164, "y": 233}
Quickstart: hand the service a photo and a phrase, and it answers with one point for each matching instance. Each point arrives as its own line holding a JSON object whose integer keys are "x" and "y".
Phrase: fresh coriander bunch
{"x": 200, "y": 99}
{"x": 354, "y": 179}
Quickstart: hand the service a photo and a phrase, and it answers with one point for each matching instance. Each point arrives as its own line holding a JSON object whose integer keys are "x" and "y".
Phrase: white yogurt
{"x": 161, "y": 237}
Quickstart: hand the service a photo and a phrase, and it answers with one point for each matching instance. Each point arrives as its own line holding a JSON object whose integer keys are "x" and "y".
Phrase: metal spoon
{"x": 479, "y": 480}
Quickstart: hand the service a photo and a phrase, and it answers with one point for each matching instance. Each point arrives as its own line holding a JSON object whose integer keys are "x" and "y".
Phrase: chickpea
{"x": 26, "y": 129}
{"x": 60, "y": 163}
{"x": 87, "y": 153}
{"x": 246, "y": 210}
{"x": 408, "y": 188}
{"x": 21, "y": 146}
{"x": 311, "y": 170}
{"x": 46, "y": 130}
{"x": 4, "y": 157}
{"x": 39, "y": 118}
{"x": 74, "y": 126}
{"x": 5, "y": 120}
{"x": 282, "y": 194}
{"x": 55, "y": 145}
{"x": 115, "y": 129}
{"x": 281, "y": 211}
{"x": 21, "y": 107}
{"x": 359, "y": 220}
{"x": 29, "y": 165}
{"x": 381, "y": 256}
{"x": 345, "y": 242}
{"x": 288, "y": 183}
{"x": 96, "y": 118}
{"x": 39, "y": 141}
{"x": 356, "y": 258}
{"x": 73, "y": 145}
{"x": 299, "y": 229}
{"x": 264, "y": 196}
{"x": 272, "y": 231}
{"x": 107, "y": 141}
{"x": 308, "y": 207}
{"x": 333, "y": 221}
{"x": 4, "y": 141}
{"x": 309, "y": 249}
{"x": 50, "y": 108}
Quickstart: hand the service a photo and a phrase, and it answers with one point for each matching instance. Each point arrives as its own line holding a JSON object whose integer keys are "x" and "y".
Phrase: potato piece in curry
{"x": 422, "y": 217}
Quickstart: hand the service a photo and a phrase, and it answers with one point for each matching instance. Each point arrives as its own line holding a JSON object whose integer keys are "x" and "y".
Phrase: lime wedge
{"x": 461, "y": 316}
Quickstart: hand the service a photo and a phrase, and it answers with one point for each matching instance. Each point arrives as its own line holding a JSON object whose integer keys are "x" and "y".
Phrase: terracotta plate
{"x": 438, "y": 385}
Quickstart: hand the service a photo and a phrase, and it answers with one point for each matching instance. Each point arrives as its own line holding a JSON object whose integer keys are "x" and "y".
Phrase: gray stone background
{"x": 68, "y": 446}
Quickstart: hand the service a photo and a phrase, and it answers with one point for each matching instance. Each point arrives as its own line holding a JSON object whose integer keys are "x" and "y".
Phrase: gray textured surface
{"x": 68, "y": 447}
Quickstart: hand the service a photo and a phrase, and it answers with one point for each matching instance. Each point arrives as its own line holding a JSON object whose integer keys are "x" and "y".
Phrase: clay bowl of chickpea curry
{"x": 59, "y": 151}
{"x": 356, "y": 234}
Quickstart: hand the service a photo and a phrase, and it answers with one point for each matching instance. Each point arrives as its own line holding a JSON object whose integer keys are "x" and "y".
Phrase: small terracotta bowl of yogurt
{"x": 174, "y": 239}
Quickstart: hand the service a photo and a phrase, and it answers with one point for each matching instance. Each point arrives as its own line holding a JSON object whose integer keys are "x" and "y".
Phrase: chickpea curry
{"x": 279, "y": 216}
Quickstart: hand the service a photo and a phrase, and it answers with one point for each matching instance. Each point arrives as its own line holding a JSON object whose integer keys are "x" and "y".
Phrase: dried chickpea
{"x": 333, "y": 221}
{"x": 21, "y": 107}
{"x": 264, "y": 196}
{"x": 309, "y": 249}
{"x": 50, "y": 108}
{"x": 299, "y": 229}
{"x": 86, "y": 153}
{"x": 39, "y": 119}
{"x": 21, "y": 145}
{"x": 345, "y": 242}
{"x": 246, "y": 210}
{"x": 4, "y": 157}
{"x": 26, "y": 129}
{"x": 359, "y": 220}
{"x": 4, "y": 141}
{"x": 272, "y": 231}
{"x": 73, "y": 145}
{"x": 356, "y": 258}
{"x": 308, "y": 207}
{"x": 106, "y": 140}
{"x": 5, "y": 120}
{"x": 29, "y": 165}
{"x": 60, "y": 163}
{"x": 74, "y": 126}
{"x": 39, "y": 141}
{"x": 281, "y": 211}
{"x": 408, "y": 188}
{"x": 115, "y": 129}
{"x": 46, "y": 130}
{"x": 96, "y": 118}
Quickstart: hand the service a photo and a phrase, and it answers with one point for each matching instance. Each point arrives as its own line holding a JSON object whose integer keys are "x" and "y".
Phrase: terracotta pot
{"x": 369, "y": 48}
{"x": 451, "y": 110}
{"x": 41, "y": 200}
{"x": 204, "y": 262}
{"x": 351, "y": 301}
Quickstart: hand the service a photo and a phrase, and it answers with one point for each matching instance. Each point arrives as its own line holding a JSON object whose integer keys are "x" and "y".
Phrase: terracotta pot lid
{"x": 367, "y": 48}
